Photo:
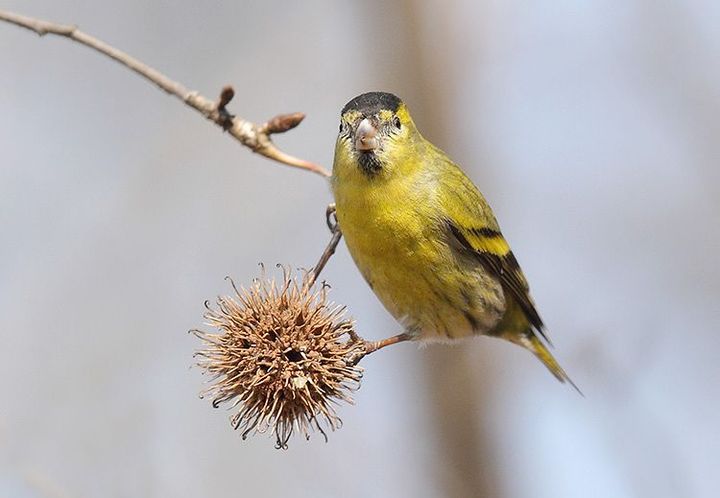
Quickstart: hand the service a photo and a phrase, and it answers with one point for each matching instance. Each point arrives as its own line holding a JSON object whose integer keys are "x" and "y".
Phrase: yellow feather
{"x": 424, "y": 237}
{"x": 493, "y": 244}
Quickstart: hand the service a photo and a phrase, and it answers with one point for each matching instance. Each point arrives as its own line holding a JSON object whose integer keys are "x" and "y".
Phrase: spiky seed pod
{"x": 281, "y": 355}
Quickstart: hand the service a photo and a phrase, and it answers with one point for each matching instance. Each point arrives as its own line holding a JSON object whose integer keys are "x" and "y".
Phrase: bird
{"x": 424, "y": 237}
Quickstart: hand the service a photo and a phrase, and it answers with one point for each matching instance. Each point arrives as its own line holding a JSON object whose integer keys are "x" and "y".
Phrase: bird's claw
{"x": 331, "y": 218}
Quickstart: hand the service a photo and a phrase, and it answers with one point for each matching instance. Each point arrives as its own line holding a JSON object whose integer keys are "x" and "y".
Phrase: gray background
{"x": 592, "y": 127}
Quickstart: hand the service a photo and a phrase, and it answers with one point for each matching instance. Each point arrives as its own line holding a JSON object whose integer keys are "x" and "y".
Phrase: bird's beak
{"x": 366, "y": 136}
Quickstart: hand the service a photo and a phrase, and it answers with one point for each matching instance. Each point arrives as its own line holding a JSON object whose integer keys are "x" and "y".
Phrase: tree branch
{"x": 254, "y": 136}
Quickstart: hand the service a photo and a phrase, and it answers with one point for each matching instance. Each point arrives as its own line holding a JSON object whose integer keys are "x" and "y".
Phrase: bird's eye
{"x": 396, "y": 122}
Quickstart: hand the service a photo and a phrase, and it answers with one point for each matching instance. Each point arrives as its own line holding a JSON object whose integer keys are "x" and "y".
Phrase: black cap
{"x": 372, "y": 102}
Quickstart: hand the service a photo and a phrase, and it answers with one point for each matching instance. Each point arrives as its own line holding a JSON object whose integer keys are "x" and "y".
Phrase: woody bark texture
{"x": 252, "y": 135}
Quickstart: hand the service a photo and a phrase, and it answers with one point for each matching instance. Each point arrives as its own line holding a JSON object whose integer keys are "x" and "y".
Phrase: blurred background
{"x": 591, "y": 128}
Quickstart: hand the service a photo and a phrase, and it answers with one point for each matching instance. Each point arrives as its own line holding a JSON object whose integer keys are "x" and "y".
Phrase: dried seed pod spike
{"x": 281, "y": 355}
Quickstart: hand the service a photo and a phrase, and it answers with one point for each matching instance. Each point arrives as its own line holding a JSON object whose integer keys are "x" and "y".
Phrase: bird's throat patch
{"x": 370, "y": 163}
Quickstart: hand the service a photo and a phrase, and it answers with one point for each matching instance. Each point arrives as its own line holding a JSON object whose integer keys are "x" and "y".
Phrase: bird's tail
{"x": 534, "y": 344}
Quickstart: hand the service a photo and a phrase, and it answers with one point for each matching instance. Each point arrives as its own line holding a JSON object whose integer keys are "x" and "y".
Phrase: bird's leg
{"x": 367, "y": 347}
{"x": 331, "y": 217}
{"x": 373, "y": 346}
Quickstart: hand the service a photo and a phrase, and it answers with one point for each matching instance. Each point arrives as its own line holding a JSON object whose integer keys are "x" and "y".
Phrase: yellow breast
{"x": 392, "y": 230}
{"x": 386, "y": 238}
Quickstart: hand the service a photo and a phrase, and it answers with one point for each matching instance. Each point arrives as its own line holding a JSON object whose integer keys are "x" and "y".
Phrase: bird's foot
{"x": 331, "y": 218}
{"x": 373, "y": 346}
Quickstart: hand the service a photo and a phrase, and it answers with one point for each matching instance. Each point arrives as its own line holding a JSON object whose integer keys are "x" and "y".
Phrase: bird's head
{"x": 376, "y": 130}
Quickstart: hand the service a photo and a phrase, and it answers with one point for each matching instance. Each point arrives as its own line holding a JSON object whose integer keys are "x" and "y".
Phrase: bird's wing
{"x": 472, "y": 224}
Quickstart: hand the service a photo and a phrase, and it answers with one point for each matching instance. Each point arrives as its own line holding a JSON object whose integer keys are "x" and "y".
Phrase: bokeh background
{"x": 592, "y": 127}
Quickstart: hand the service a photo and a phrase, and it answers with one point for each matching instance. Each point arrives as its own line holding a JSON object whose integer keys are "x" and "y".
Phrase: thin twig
{"x": 254, "y": 136}
{"x": 327, "y": 253}
{"x": 330, "y": 249}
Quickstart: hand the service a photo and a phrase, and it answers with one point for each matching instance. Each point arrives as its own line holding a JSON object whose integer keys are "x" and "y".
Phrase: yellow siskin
{"x": 424, "y": 237}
